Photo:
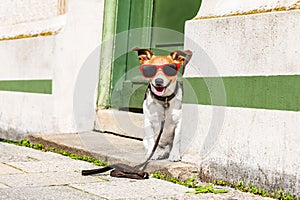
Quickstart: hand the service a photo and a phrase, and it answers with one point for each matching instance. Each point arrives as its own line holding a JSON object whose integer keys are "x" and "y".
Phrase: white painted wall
{"x": 245, "y": 45}
{"x": 245, "y": 144}
{"x": 223, "y": 8}
{"x": 71, "y": 59}
{"x": 29, "y": 17}
{"x": 16, "y": 11}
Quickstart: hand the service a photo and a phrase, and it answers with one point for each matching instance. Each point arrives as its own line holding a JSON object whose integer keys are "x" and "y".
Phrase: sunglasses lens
{"x": 149, "y": 70}
{"x": 170, "y": 70}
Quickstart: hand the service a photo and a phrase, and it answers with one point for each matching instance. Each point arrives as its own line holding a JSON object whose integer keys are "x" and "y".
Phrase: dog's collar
{"x": 165, "y": 99}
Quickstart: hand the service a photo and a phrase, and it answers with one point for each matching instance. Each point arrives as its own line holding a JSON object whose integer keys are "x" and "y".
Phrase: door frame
{"x": 115, "y": 120}
{"x": 115, "y": 21}
{"x": 118, "y": 21}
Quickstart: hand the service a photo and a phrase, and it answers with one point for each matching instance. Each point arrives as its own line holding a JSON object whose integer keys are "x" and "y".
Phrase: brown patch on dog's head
{"x": 144, "y": 54}
{"x": 160, "y": 60}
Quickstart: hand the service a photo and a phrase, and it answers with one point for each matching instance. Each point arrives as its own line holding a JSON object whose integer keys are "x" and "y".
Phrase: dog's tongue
{"x": 159, "y": 90}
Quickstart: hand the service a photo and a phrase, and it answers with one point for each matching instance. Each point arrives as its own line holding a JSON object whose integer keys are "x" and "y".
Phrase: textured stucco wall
{"x": 15, "y": 11}
{"x": 216, "y": 8}
{"x": 31, "y": 17}
{"x": 70, "y": 59}
{"x": 236, "y": 142}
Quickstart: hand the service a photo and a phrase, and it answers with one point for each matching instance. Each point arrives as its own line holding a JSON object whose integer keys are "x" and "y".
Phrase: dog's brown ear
{"x": 182, "y": 57}
{"x": 143, "y": 54}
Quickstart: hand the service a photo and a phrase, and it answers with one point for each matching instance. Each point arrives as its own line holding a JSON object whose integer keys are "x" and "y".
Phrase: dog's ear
{"x": 143, "y": 54}
{"x": 182, "y": 57}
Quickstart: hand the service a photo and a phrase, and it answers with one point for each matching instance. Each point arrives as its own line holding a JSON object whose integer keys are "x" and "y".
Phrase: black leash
{"x": 121, "y": 170}
{"x": 144, "y": 164}
{"x": 125, "y": 171}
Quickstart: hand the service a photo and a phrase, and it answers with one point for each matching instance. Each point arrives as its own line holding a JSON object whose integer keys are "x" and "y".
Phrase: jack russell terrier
{"x": 163, "y": 101}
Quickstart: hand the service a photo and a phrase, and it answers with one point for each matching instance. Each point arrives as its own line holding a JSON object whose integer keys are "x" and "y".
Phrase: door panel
{"x": 154, "y": 24}
{"x": 171, "y": 15}
{"x": 139, "y": 32}
{"x": 135, "y": 20}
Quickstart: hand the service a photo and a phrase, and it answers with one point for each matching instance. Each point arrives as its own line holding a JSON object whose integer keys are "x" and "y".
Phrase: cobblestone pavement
{"x": 32, "y": 174}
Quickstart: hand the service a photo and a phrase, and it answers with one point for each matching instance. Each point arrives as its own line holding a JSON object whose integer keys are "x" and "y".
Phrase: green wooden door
{"x": 154, "y": 24}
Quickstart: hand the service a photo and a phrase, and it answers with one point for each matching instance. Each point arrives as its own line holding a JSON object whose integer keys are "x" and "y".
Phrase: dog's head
{"x": 162, "y": 71}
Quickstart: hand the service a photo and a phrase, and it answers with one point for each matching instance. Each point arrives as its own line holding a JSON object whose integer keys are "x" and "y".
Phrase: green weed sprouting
{"x": 280, "y": 195}
{"x": 190, "y": 183}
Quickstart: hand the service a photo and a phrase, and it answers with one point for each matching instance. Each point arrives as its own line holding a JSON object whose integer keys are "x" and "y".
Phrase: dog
{"x": 163, "y": 100}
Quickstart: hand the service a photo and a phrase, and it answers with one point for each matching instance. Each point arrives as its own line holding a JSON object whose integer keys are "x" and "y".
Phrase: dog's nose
{"x": 159, "y": 82}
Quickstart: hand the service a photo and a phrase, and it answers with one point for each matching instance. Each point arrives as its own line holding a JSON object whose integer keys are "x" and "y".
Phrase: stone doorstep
{"x": 132, "y": 155}
{"x": 124, "y": 123}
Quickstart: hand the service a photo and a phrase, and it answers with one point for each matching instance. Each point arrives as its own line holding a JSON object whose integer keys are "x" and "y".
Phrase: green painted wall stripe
{"x": 266, "y": 92}
{"x": 29, "y": 86}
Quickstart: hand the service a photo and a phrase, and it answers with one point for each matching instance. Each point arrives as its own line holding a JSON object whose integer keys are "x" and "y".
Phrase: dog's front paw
{"x": 174, "y": 157}
{"x": 160, "y": 154}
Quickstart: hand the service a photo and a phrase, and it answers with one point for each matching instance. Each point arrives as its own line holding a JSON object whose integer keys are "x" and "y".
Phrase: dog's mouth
{"x": 160, "y": 90}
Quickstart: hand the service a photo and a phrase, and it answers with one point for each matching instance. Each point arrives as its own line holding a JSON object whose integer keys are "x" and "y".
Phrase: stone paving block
{"x": 48, "y": 192}
{"x": 6, "y": 169}
{"x": 52, "y": 166}
{"x": 14, "y": 153}
{"x": 118, "y": 188}
{"x": 3, "y": 186}
{"x": 46, "y": 179}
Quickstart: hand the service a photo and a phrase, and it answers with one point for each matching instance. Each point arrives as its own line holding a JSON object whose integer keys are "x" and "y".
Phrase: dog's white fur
{"x": 169, "y": 143}
{"x": 155, "y": 112}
